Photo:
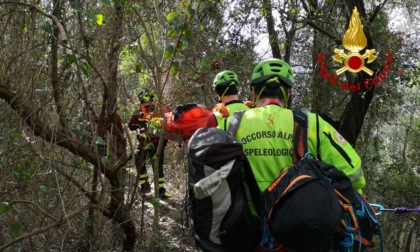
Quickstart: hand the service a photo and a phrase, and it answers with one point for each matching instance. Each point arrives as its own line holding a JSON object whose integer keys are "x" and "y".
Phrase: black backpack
{"x": 359, "y": 236}
{"x": 313, "y": 207}
{"x": 301, "y": 208}
{"x": 216, "y": 201}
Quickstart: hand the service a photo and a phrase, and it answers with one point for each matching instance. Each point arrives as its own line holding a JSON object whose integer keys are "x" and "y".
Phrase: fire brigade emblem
{"x": 354, "y": 40}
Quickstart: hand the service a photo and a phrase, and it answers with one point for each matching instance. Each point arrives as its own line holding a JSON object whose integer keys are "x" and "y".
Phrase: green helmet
{"x": 224, "y": 78}
{"x": 146, "y": 95}
{"x": 270, "y": 68}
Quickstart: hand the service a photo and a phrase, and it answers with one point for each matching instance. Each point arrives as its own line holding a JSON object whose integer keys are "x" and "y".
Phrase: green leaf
{"x": 172, "y": 33}
{"x": 184, "y": 28}
{"x": 198, "y": 24}
{"x": 154, "y": 201}
{"x": 182, "y": 45}
{"x": 77, "y": 5}
{"x": 15, "y": 228}
{"x": 131, "y": 31}
{"x": 143, "y": 135}
{"x": 175, "y": 68}
{"x": 5, "y": 208}
{"x": 169, "y": 52}
{"x": 91, "y": 15}
{"x": 106, "y": 2}
{"x": 107, "y": 160}
{"x": 25, "y": 175}
{"x": 171, "y": 15}
{"x": 100, "y": 141}
{"x": 184, "y": 4}
{"x": 190, "y": 13}
{"x": 99, "y": 19}
{"x": 187, "y": 36}
{"x": 29, "y": 148}
{"x": 85, "y": 70}
{"x": 139, "y": 67}
{"x": 70, "y": 58}
{"x": 43, "y": 188}
{"x": 178, "y": 27}
{"x": 16, "y": 136}
{"x": 77, "y": 128}
{"x": 39, "y": 244}
{"x": 89, "y": 222}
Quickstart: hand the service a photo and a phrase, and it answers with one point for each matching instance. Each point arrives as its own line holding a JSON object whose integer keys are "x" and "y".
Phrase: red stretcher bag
{"x": 185, "y": 120}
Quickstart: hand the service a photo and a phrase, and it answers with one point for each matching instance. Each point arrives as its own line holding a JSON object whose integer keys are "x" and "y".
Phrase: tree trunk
{"x": 352, "y": 118}
{"x": 117, "y": 142}
{"x": 272, "y": 34}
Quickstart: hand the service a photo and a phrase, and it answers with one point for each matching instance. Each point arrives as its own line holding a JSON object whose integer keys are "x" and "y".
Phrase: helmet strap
{"x": 255, "y": 103}
{"x": 227, "y": 88}
{"x": 285, "y": 98}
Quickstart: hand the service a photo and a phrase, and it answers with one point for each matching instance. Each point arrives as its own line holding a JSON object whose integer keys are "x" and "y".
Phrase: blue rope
{"x": 308, "y": 155}
{"x": 267, "y": 237}
{"x": 346, "y": 238}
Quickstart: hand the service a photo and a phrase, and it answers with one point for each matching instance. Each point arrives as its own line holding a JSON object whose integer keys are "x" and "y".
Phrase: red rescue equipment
{"x": 185, "y": 120}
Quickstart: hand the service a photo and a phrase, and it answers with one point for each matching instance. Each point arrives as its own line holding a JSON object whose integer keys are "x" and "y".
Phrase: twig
{"x": 63, "y": 33}
{"x": 39, "y": 208}
{"x": 47, "y": 228}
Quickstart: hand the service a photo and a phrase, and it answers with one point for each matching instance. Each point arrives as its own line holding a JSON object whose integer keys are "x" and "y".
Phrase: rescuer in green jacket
{"x": 226, "y": 85}
{"x": 267, "y": 130}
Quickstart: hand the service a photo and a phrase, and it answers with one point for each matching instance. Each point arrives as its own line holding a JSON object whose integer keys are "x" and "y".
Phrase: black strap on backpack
{"x": 300, "y": 136}
{"x": 300, "y": 139}
{"x": 252, "y": 183}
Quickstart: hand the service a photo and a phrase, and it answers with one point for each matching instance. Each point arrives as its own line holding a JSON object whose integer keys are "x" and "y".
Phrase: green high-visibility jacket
{"x": 232, "y": 107}
{"x": 267, "y": 136}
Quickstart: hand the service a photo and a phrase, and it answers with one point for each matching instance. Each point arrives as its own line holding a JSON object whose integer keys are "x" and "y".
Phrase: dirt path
{"x": 174, "y": 236}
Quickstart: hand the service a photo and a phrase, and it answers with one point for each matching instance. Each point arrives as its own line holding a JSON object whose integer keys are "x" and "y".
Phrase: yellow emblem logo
{"x": 354, "y": 40}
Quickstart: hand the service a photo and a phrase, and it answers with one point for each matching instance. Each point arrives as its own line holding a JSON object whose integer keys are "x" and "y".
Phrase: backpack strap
{"x": 300, "y": 136}
{"x": 249, "y": 175}
{"x": 253, "y": 188}
{"x": 317, "y": 138}
{"x": 234, "y": 122}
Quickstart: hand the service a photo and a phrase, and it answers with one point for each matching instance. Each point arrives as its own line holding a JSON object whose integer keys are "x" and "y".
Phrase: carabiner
{"x": 381, "y": 208}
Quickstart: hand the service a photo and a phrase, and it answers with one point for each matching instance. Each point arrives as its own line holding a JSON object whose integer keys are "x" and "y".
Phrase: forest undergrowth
{"x": 174, "y": 232}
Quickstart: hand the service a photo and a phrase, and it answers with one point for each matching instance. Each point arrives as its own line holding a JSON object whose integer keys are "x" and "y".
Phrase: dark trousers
{"x": 141, "y": 166}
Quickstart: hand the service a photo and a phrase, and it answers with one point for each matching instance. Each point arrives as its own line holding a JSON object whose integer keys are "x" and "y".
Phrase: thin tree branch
{"x": 59, "y": 222}
{"x": 377, "y": 10}
{"x": 320, "y": 29}
{"x": 39, "y": 208}
{"x": 63, "y": 37}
